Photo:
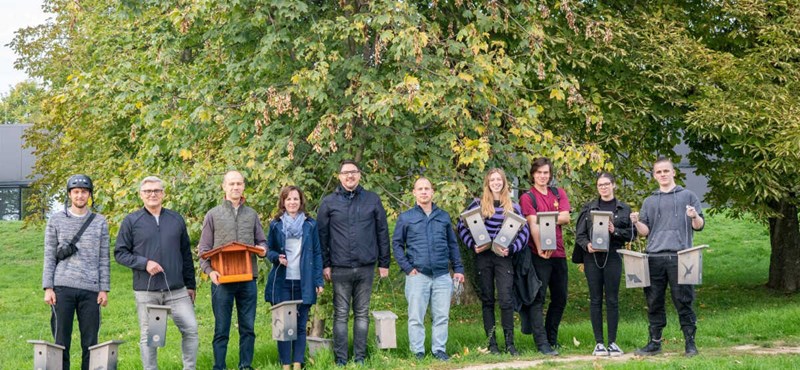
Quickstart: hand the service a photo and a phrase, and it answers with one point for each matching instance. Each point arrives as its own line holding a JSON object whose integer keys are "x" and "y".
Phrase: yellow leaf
{"x": 185, "y": 154}
{"x": 139, "y": 105}
{"x": 250, "y": 164}
{"x": 466, "y": 77}
{"x": 557, "y": 93}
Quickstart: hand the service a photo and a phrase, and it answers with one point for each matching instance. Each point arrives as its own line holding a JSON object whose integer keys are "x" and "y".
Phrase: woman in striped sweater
{"x": 496, "y": 270}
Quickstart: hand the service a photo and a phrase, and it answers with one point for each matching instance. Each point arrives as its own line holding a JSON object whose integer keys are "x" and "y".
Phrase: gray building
{"x": 15, "y": 168}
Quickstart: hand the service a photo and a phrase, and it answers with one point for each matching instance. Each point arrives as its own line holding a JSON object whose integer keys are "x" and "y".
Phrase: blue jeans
{"x": 294, "y": 351}
{"x": 422, "y": 290}
{"x": 182, "y": 312}
{"x": 245, "y": 294}
{"x": 351, "y": 285}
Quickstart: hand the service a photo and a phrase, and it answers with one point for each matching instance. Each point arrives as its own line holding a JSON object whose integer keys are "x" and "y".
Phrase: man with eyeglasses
{"x": 354, "y": 236}
{"x": 228, "y": 222}
{"x": 154, "y": 243}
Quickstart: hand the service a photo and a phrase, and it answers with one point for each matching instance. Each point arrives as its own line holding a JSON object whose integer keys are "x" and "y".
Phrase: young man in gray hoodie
{"x": 668, "y": 219}
{"x": 76, "y": 280}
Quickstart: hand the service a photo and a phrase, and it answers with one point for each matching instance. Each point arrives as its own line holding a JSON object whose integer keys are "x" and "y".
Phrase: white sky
{"x": 15, "y": 14}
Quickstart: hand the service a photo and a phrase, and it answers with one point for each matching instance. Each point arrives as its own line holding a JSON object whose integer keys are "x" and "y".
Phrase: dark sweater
{"x": 141, "y": 239}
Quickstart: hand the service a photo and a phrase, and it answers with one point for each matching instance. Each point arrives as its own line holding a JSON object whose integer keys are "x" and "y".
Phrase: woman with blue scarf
{"x": 296, "y": 267}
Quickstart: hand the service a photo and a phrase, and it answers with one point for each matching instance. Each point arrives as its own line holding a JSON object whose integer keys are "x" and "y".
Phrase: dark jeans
{"x": 351, "y": 285}
{"x": 294, "y": 351}
{"x": 245, "y": 294}
{"x": 553, "y": 275}
{"x": 68, "y": 302}
{"x": 603, "y": 278}
{"x": 495, "y": 270}
{"x": 663, "y": 272}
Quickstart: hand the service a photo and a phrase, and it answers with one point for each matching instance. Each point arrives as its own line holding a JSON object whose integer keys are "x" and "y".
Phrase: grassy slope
{"x": 733, "y": 308}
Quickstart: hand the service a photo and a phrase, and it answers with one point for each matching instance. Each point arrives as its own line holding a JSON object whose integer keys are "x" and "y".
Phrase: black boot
{"x": 653, "y": 347}
{"x": 510, "y": 343}
{"x": 493, "y": 349}
{"x": 688, "y": 335}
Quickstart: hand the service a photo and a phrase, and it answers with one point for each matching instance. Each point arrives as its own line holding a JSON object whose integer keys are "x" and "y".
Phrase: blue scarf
{"x": 293, "y": 227}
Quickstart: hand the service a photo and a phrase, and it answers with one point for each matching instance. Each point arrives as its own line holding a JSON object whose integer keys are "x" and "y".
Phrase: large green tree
{"x": 21, "y": 104}
{"x": 286, "y": 89}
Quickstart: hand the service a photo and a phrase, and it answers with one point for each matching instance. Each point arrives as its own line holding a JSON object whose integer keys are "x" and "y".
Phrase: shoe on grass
{"x": 614, "y": 350}
{"x": 441, "y": 356}
{"x": 652, "y": 348}
{"x": 600, "y": 350}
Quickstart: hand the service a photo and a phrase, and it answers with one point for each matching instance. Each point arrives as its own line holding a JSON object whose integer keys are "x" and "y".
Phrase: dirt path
{"x": 744, "y": 349}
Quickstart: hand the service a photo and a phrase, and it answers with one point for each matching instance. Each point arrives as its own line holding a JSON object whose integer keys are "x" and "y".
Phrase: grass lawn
{"x": 732, "y": 305}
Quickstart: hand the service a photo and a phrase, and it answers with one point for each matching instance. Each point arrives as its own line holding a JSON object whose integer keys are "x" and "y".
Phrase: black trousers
{"x": 603, "y": 272}
{"x": 554, "y": 276}
{"x": 663, "y": 272}
{"x": 496, "y": 272}
{"x": 70, "y": 301}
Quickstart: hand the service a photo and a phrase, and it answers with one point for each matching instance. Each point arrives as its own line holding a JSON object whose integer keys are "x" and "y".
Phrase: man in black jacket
{"x": 354, "y": 236}
{"x": 154, "y": 243}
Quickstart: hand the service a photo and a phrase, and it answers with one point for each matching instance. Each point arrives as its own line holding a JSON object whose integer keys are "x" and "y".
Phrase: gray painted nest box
{"x": 547, "y": 230}
{"x": 385, "y": 328}
{"x": 512, "y": 224}
{"x": 104, "y": 356}
{"x": 284, "y": 320}
{"x": 690, "y": 265}
{"x": 637, "y": 269}
{"x": 474, "y": 221}
{"x": 47, "y": 356}
{"x": 157, "y": 325}
{"x": 316, "y": 344}
{"x": 600, "y": 237}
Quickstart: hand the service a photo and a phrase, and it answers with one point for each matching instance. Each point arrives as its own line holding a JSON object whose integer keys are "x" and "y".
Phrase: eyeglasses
{"x": 604, "y": 185}
{"x": 345, "y": 173}
{"x": 152, "y": 191}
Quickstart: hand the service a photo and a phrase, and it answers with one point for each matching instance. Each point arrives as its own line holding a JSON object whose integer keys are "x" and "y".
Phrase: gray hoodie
{"x": 665, "y": 216}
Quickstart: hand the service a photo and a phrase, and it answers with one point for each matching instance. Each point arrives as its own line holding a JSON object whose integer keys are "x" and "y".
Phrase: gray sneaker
{"x": 600, "y": 350}
{"x": 613, "y": 350}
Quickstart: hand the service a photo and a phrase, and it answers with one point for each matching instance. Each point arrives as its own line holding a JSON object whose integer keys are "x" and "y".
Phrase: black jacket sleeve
{"x": 188, "y": 262}
{"x": 382, "y": 230}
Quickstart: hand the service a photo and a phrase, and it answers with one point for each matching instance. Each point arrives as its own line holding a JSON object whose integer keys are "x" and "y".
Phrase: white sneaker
{"x": 614, "y": 351}
{"x": 600, "y": 350}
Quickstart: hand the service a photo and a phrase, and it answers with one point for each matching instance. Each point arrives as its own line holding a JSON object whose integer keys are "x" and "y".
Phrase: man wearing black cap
{"x": 76, "y": 275}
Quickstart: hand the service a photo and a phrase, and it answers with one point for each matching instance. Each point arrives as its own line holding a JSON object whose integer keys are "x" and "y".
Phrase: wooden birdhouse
{"x": 385, "y": 329}
{"x": 637, "y": 269}
{"x": 46, "y": 355}
{"x": 512, "y": 224}
{"x": 600, "y": 237}
{"x": 547, "y": 230}
{"x": 233, "y": 261}
{"x": 474, "y": 221}
{"x": 690, "y": 265}
{"x": 284, "y": 320}
{"x": 104, "y": 356}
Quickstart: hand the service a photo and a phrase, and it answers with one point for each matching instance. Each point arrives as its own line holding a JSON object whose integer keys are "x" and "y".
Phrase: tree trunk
{"x": 784, "y": 236}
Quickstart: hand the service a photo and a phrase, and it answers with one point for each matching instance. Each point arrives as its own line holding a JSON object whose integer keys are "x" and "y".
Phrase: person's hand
{"x": 458, "y": 277}
{"x": 102, "y": 298}
{"x": 326, "y": 273}
{"x": 192, "y": 294}
{"x": 214, "y": 275}
{"x": 691, "y": 212}
{"x": 383, "y": 272}
{"x": 50, "y": 296}
{"x": 320, "y": 290}
{"x": 263, "y": 251}
{"x": 611, "y": 227}
{"x": 153, "y": 267}
{"x": 413, "y": 272}
{"x": 282, "y": 260}
{"x": 589, "y": 248}
{"x": 544, "y": 254}
{"x": 634, "y": 217}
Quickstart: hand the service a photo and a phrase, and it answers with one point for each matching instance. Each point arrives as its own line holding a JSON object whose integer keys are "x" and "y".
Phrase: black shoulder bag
{"x": 71, "y": 248}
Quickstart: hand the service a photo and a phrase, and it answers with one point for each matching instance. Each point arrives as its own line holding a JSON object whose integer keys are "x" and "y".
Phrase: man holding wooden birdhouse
{"x": 232, "y": 221}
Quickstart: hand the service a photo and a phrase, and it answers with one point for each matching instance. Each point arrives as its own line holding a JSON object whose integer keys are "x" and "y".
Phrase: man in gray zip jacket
{"x": 668, "y": 219}
{"x": 80, "y": 282}
{"x": 228, "y": 222}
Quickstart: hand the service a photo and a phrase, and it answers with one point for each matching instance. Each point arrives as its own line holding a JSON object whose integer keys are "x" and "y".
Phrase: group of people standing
{"x": 345, "y": 243}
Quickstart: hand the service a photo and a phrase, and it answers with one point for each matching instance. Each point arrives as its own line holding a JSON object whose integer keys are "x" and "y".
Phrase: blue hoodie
{"x": 665, "y": 216}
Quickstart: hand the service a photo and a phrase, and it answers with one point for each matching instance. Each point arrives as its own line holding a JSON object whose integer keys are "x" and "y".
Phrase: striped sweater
{"x": 89, "y": 267}
{"x": 493, "y": 226}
